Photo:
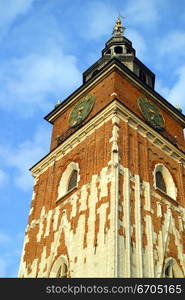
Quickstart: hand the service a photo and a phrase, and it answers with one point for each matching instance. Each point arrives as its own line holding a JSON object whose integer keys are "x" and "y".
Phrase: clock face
{"x": 81, "y": 110}
{"x": 151, "y": 113}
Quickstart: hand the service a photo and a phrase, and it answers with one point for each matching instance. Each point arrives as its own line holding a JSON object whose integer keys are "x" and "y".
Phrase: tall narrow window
{"x": 164, "y": 181}
{"x": 142, "y": 76}
{"x": 60, "y": 268}
{"x": 62, "y": 271}
{"x": 72, "y": 180}
{"x": 172, "y": 270}
{"x": 169, "y": 272}
{"x": 160, "y": 183}
{"x": 69, "y": 180}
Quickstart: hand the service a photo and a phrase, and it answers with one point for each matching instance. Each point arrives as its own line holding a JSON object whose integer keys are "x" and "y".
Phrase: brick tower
{"x": 109, "y": 198}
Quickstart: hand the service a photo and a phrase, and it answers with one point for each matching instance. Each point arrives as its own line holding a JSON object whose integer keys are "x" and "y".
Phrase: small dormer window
{"x": 142, "y": 76}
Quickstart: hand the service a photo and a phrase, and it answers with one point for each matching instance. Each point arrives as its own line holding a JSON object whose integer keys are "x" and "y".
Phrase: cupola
{"x": 119, "y": 47}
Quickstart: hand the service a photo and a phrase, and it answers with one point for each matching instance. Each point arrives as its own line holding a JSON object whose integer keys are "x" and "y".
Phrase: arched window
{"x": 72, "y": 180}
{"x": 69, "y": 180}
{"x": 62, "y": 271}
{"x": 118, "y": 50}
{"x": 59, "y": 268}
{"x": 172, "y": 269}
{"x": 108, "y": 52}
{"x": 168, "y": 273}
{"x": 163, "y": 181}
{"x": 160, "y": 183}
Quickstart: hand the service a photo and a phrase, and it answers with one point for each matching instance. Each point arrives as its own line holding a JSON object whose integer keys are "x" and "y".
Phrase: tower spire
{"x": 118, "y": 29}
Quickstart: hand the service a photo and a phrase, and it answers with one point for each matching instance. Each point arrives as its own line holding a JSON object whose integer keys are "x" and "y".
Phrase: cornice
{"x": 149, "y": 92}
{"x": 115, "y": 64}
{"x": 74, "y": 97}
{"x": 106, "y": 114}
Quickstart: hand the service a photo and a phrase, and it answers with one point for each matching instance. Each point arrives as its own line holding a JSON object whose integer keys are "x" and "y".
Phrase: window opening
{"x": 72, "y": 180}
{"x": 160, "y": 183}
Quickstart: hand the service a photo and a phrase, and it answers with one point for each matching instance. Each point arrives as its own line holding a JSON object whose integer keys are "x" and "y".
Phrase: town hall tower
{"x": 109, "y": 197}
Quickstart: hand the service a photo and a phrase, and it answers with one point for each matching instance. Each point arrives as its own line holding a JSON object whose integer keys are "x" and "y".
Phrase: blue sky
{"x": 45, "y": 45}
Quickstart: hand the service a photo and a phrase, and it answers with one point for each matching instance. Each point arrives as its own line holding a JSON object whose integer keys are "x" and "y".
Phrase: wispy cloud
{"x": 26, "y": 154}
{"x": 29, "y": 82}
{"x": 10, "y": 10}
{"x": 175, "y": 93}
{"x": 143, "y": 12}
{"x": 172, "y": 46}
{"x": 38, "y": 70}
{"x": 99, "y": 19}
{"x": 138, "y": 42}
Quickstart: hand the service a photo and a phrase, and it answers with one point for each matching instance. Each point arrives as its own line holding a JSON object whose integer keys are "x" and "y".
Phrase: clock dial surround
{"x": 81, "y": 110}
{"x": 151, "y": 113}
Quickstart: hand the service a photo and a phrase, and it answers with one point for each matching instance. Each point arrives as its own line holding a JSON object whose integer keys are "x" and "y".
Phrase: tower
{"x": 109, "y": 197}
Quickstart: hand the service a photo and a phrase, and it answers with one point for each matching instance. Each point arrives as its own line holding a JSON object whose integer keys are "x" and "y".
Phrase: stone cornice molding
{"x": 122, "y": 69}
{"x": 115, "y": 108}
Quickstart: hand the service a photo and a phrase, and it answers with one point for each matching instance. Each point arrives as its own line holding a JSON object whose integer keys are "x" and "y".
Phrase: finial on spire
{"x": 118, "y": 29}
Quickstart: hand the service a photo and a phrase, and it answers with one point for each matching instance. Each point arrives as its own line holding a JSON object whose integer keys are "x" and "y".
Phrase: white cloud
{"x": 10, "y": 10}
{"x": 24, "y": 156}
{"x": 173, "y": 44}
{"x": 27, "y": 154}
{"x": 37, "y": 71}
{"x": 162, "y": 89}
{"x": 142, "y": 12}
{"x": 28, "y": 82}
{"x": 174, "y": 94}
{"x": 99, "y": 20}
{"x": 138, "y": 43}
{"x": 101, "y": 16}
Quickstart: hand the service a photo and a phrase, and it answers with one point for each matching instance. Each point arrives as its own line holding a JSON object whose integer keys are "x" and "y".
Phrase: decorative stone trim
{"x": 63, "y": 185}
{"x": 75, "y": 98}
{"x": 170, "y": 185}
{"x": 115, "y": 108}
